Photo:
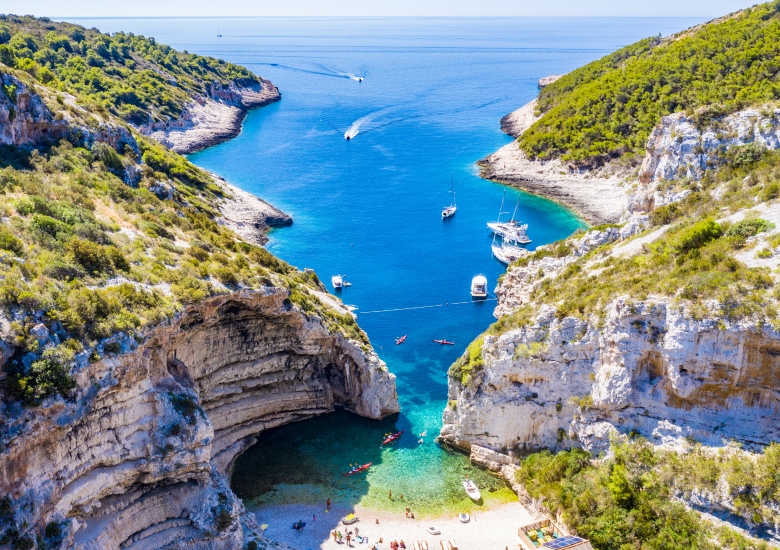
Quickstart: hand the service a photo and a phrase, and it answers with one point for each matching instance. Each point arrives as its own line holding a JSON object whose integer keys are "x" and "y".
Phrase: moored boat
{"x": 471, "y": 490}
{"x": 389, "y": 438}
{"x": 337, "y": 281}
{"x": 507, "y": 252}
{"x": 449, "y": 211}
{"x": 400, "y": 339}
{"x": 479, "y": 287}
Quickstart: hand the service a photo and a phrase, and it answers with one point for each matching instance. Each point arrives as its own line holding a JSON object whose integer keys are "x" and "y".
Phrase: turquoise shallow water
{"x": 428, "y": 108}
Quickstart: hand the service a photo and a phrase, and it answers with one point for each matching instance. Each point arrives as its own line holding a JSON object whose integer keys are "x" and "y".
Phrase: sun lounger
{"x": 416, "y": 546}
{"x": 423, "y": 545}
{"x": 453, "y": 544}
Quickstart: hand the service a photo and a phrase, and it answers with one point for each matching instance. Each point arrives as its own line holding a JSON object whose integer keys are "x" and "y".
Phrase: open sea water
{"x": 427, "y": 109}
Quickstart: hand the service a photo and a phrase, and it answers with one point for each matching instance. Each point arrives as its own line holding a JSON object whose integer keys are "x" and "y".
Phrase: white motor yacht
{"x": 479, "y": 287}
{"x": 508, "y": 251}
{"x": 338, "y": 282}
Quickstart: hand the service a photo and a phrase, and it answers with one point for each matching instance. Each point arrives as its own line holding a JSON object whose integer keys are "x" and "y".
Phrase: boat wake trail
{"x": 355, "y": 128}
{"x": 323, "y": 72}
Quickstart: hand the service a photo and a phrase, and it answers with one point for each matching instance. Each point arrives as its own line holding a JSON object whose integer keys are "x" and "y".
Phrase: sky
{"x": 207, "y": 8}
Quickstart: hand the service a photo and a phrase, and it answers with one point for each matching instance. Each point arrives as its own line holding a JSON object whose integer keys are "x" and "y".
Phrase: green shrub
{"x": 749, "y": 228}
{"x": 49, "y": 225}
{"x": 697, "y": 235}
{"x": 11, "y": 243}
{"x": 92, "y": 257}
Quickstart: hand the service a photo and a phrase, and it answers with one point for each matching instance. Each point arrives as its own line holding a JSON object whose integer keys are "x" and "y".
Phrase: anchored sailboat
{"x": 449, "y": 211}
{"x": 513, "y": 229}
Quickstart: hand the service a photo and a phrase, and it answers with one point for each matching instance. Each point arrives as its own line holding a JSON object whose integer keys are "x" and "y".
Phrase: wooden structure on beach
{"x": 546, "y": 535}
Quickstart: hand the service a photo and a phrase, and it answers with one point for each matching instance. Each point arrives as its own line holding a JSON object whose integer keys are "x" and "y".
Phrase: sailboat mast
{"x": 453, "y": 190}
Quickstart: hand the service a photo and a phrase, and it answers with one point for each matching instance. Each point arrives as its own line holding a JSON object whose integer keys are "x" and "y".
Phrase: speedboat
{"x": 433, "y": 531}
{"x": 338, "y": 282}
{"x": 479, "y": 287}
{"x": 464, "y": 518}
{"x": 471, "y": 490}
{"x": 392, "y": 437}
{"x": 400, "y": 339}
{"x": 358, "y": 469}
{"x": 445, "y": 342}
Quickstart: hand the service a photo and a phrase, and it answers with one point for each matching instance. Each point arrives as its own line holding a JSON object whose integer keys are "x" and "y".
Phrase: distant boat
{"x": 400, "y": 339}
{"x": 338, "y": 282}
{"x": 218, "y": 34}
{"x": 479, "y": 287}
{"x": 471, "y": 490}
{"x": 449, "y": 211}
{"x": 445, "y": 342}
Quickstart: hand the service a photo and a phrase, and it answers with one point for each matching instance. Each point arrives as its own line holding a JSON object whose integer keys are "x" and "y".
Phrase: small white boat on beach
{"x": 449, "y": 211}
{"x": 471, "y": 490}
{"x": 464, "y": 517}
{"x": 479, "y": 287}
{"x": 338, "y": 282}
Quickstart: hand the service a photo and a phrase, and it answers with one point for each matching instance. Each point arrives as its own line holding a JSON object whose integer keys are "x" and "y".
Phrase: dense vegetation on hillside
{"x": 608, "y": 108}
{"x": 130, "y": 76}
{"x": 97, "y": 241}
{"x": 627, "y": 501}
{"x": 692, "y": 262}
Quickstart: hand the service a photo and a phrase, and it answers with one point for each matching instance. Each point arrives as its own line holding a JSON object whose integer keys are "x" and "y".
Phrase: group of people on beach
{"x": 350, "y": 536}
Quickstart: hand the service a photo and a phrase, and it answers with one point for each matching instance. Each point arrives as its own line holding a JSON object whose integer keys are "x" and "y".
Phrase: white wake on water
{"x": 355, "y": 128}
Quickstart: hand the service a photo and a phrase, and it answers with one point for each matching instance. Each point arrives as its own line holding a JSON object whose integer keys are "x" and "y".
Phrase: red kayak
{"x": 358, "y": 469}
{"x": 392, "y": 437}
{"x": 445, "y": 342}
{"x": 401, "y": 339}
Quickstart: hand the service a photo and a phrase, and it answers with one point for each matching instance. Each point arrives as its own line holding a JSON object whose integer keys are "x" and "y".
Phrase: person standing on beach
{"x": 349, "y": 538}
{"x": 390, "y": 495}
{"x": 327, "y": 505}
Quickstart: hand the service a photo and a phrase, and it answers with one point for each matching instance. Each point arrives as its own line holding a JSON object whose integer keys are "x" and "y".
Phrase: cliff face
{"x": 677, "y": 149}
{"x": 137, "y": 459}
{"x": 212, "y": 119}
{"x": 650, "y": 369}
{"x": 24, "y": 117}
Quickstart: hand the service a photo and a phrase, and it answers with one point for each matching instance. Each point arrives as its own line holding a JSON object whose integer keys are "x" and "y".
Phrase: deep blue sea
{"x": 428, "y": 108}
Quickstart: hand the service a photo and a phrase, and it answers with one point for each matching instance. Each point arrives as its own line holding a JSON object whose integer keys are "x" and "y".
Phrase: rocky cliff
{"x": 137, "y": 457}
{"x": 649, "y": 369}
{"x": 214, "y": 118}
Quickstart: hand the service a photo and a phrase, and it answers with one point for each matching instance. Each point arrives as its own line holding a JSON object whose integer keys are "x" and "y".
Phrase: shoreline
{"x": 214, "y": 119}
{"x": 248, "y": 215}
{"x": 493, "y": 528}
{"x": 596, "y": 199}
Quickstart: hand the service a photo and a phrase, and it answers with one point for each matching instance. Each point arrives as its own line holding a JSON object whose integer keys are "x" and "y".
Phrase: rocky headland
{"x": 213, "y": 118}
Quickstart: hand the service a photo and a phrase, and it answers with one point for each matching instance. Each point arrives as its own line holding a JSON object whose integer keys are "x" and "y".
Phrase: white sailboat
{"x": 479, "y": 287}
{"x": 449, "y": 211}
{"x": 513, "y": 229}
